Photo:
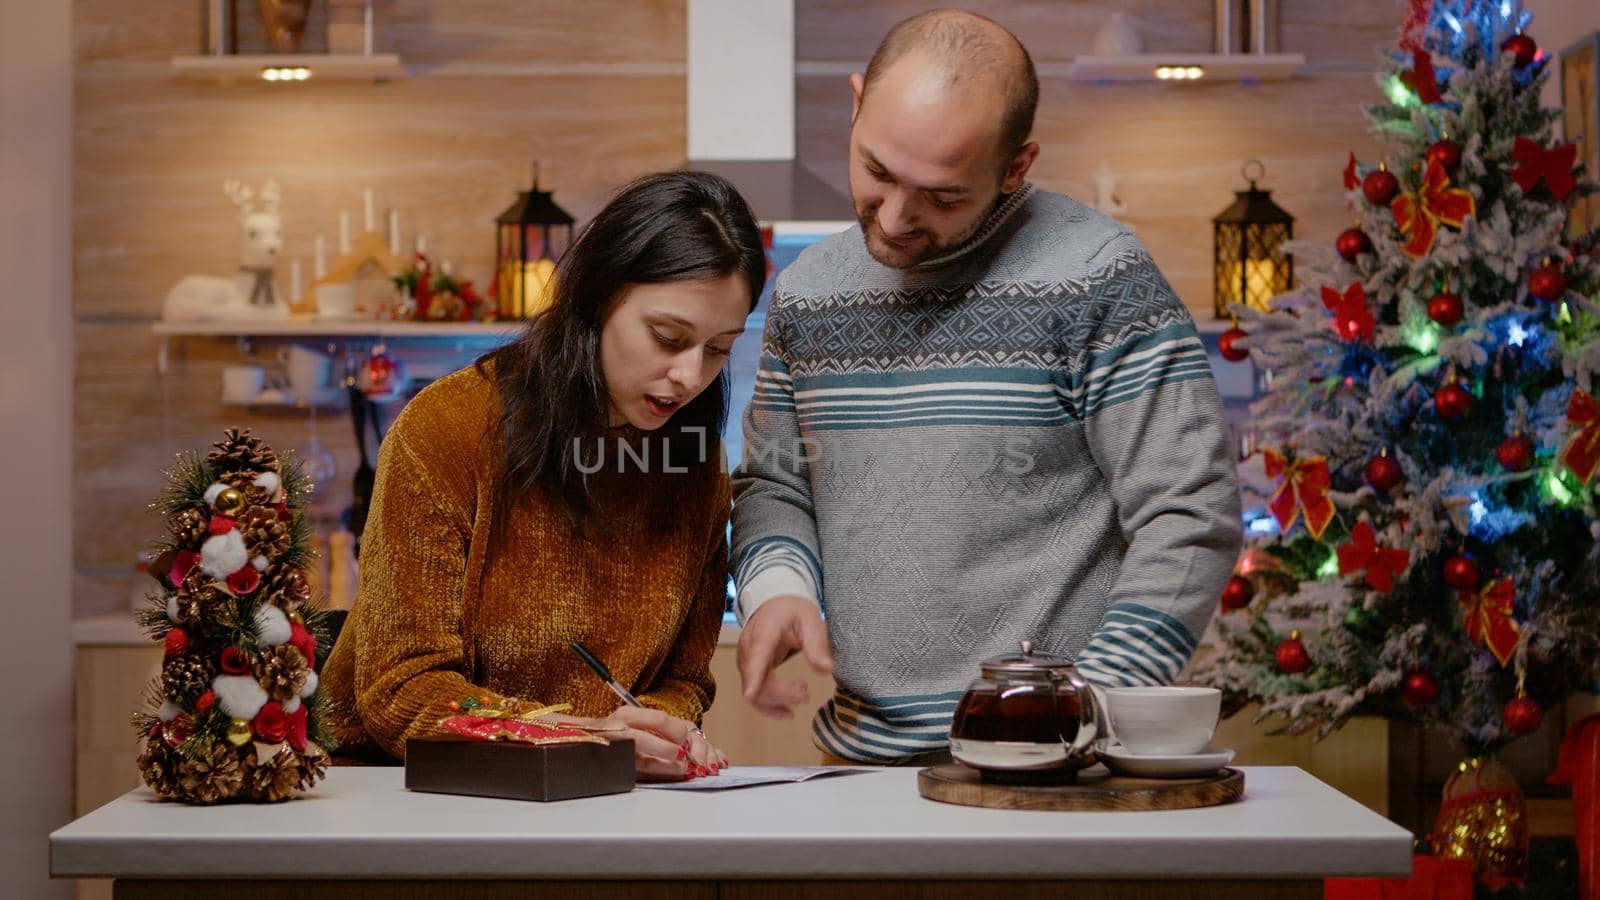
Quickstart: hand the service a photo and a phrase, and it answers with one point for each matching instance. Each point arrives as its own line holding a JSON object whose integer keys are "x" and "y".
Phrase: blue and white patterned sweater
{"x": 1019, "y": 440}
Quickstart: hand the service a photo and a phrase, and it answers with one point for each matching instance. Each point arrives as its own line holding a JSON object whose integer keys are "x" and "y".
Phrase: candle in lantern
{"x": 1259, "y": 281}
{"x": 344, "y": 231}
{"x": 370, "y": 223}
{"x": 319, "y": 264}
{"x": 394, "y": 232}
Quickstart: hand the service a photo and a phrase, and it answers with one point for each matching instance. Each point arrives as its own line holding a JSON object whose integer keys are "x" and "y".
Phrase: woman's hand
{"x": 665, "y": 748}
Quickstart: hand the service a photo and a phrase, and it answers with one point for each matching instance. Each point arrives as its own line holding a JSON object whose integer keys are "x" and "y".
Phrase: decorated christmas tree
{"x": 234, "y": 713}
{"x": 1428, "y": 548}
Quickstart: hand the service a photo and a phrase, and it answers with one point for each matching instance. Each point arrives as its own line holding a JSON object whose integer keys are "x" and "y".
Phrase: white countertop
{"x": 362, "y": 823}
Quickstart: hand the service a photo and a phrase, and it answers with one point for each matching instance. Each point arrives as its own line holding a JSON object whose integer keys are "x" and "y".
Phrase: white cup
{"x": 308, "y": 370}
{"x": 242, "y": 384}
{"x": 1164, "y": 721}
{"x": 336, "y": 301}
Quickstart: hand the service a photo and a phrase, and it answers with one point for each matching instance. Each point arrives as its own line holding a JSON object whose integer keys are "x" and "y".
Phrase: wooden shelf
{"x": 356, "y": 328}
{"x": 1217, "y": 67}
{"x": 227, "y": 68}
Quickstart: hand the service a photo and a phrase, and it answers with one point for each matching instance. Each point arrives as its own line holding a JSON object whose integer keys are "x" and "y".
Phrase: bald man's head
{"x": 965, "y": 51}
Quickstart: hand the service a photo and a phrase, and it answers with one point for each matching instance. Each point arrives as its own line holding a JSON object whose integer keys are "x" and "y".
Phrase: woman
{"x": 568, "y": 487}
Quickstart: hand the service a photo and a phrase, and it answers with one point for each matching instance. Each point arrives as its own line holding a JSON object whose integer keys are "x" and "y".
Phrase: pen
{"x": 605, "y": 675}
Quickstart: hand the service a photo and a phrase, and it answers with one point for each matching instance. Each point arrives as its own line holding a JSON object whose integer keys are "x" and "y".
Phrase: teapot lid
{"x": 1026, "y": 662}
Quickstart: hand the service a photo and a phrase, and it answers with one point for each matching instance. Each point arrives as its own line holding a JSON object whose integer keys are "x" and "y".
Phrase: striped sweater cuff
{"x": 1136, "y": 645}
{"x": 772, "y": 568}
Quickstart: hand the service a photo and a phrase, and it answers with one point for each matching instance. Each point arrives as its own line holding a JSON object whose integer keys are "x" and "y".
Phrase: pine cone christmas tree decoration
{"x": 282, "y": 672}
{"x": 215, "y": 774}
{"x": 189, "y": 527}
{"x": 276, "y": 773}
{"x": 313, "y": 766}
{"x": 196, "y": 596}
{"x": 241, "y": 451}
{"x": 264, "y": 533}
{"x": 286, "y": 588}
{"x": 184, "y": 679}
{"x": 158, "y": 765}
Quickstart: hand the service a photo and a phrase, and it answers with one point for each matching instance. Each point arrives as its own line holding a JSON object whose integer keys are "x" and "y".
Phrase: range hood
{"x": 741, "y": 110}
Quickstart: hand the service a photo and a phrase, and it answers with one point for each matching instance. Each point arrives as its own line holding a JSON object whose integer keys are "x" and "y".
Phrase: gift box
{"x": 519, "y": 771}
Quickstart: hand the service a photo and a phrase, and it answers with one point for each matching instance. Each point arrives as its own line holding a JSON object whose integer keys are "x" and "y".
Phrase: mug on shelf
{"x": 242, "y": 384}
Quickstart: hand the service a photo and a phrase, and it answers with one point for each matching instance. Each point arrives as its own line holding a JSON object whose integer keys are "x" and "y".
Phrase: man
{"x": 981, "y": 416}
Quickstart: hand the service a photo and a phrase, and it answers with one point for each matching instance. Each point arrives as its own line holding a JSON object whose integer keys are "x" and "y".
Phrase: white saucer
{"x": 1119, "y": 760}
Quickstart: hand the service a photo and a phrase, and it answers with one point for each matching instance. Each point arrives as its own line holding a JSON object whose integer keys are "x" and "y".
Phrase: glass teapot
{"x": 1028, "y": 715}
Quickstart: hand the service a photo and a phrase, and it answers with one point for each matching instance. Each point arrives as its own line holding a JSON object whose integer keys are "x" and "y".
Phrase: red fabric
{"x": 1582, "y": 452}
{"x": 1580, "y": 760}
{"x": 1431, "y": 878}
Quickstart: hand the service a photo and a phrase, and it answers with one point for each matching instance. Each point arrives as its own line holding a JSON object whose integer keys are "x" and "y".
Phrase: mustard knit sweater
{"x": 443, "y": 612}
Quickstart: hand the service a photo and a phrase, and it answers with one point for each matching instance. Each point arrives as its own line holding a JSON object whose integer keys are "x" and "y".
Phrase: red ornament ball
{"x": 177, "y": 643}
{"x": 1352, "y": 243}
{"x": 1522, "y": 46}
{"x": 1419, "y": 688}
{"x": 1237, "y": 593}
{"x": 1461, "y": 573}
{"x": 1547, "y": 283}
{"x": 1515, "y": 453}
{"x": 1522, "y": 715}
{"x": 1227, "y": 345}
{"x": 1446, "y": 153}
{"x": 1452, "y": 401}
{"x": 1383, "y": 473}
{"x": 1292, "y": 655}
{"x": 1380, "y": 186}
{"x": 205, "y": 701}
{"x": 1446, "y": 309}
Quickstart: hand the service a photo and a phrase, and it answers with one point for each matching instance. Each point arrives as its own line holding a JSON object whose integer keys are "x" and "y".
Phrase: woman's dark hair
{"x": 672, "y": 226}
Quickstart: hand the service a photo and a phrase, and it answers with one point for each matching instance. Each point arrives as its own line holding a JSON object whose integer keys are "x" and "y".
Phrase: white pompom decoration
{"x": 168, "y": 711}
{"x": 224, "y": 554}
{"x": 311, "y": 685}
{"x": 260, "y": 562}
{"x": 291, "y": 704}
{"x": 272, "y": 626}
{"x": 268, "y": 481}
{"x": 173, "y": 612}
{"x": 212, "y": 492}
{"x": 238, "y": 695}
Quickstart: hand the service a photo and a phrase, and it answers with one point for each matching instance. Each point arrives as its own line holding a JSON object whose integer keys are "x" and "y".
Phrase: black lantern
{"x": 530, "y": 236}
{"x": 1251, "y": 267}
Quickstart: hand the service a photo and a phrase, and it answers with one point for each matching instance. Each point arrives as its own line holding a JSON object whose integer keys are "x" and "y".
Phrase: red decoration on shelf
{"x": 1351, "y": 179}
{"x": 1461, "y": 573}
{"x": 1515, "y": 453}
{"x": 1352, "y": 316}
{"x": 1227, "y": 346}
{"x": 1548, "y": 283}
{"x": 1421, "y": 77}
{"x": 381, "y": 377}
{"x": 1446, "y": 309}
{"x": 1522, "y": 47}
{"x": 1384, "y": 473}
{"x": 1446, "y": 153}
{"x": 177, "y": 643}
{"x": 1382, "y": 564}
{"x": 1304, "y": 488}
{"x": 1521, "y": 715}
{"x": 1419, "y": 215}
{"x": 1452, "y": 401}
{"x": 1553, "y": 166}
{"x": 1488, "y": 617}
{"x": 1419, "y": 688}
{"x": 1582, "y": 451}
{"x": 1237, "y": 593}
{"x": 1380, "y": 186}
{"x": 1352, "y": 243}
{"x": 1292, "y": 656}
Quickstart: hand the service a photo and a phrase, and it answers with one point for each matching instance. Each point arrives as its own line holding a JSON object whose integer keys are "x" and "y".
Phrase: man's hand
{"x": 779, "y": 628}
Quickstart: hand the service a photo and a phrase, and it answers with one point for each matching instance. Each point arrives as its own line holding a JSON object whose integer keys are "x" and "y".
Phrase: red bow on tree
{"x": 1487, "y": 616}
{"x": 1419, "y": 214}
{"x": 1351, "y": 179}
{"x": 1582, "y": 452}
{"x": 1352, "y": 317}
{"x": 1554, "y": 166}
{"x": 1421, "y": 78}
{"x": 1383, "y": 564}
{"x": 1304, "y": 489}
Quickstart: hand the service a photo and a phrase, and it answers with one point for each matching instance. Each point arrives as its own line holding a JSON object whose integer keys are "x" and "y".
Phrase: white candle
{"x": 445, "y": 267}
{"x": 422, "y": 245}
{"x": 294, "y": 280}
{"x": 344, "y": 231}
{"x": 319, "y": 264}
{"x": 366, "y": 204}
{"x": 394, "y": 232}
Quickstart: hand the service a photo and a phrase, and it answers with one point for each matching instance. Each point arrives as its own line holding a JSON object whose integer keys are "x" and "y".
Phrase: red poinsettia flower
{"x": 1383, "y": 564}
{"x": 1351, "y": 179}
{"x": 1552, "y": 166}
{"x": 1352, "y": 316}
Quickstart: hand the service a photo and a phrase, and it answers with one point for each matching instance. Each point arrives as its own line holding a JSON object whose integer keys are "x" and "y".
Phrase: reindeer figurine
{"x": 250, "y": 293}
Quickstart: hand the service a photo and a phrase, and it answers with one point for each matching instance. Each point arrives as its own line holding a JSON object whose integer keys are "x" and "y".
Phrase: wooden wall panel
{"x": 1176, "y": 149}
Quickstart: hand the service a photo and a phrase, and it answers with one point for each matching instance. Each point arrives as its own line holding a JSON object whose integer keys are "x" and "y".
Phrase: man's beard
{"x": 887, "y": 254}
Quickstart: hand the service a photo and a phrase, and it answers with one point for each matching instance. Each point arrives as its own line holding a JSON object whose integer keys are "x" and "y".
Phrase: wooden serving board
{"x": 955, "y": 783}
